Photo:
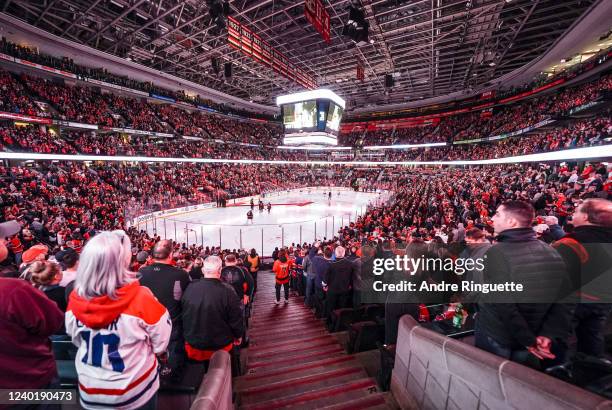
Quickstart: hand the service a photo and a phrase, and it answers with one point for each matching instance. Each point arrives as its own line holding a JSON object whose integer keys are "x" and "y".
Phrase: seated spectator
{"x": 118, "y": 327}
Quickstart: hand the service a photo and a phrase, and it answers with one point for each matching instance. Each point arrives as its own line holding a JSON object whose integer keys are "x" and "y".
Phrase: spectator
{"x": 282, "y": 271}
{"x": 47, "y": 276}
{"x": 586, "y": 252}
{"x": 211, "y": 314}
{"x": 27, "y": 319}
{"x": 253, "y": 262}
{"x": 338, "y": 283}
{"x": 477, "y": 246}
{"x": 118, "y": 327}
{"x": 321, "y": 265}
{"x": 512, "y": 330}
{"x": 69, "y": 259}
{"x": 168, "y": 283}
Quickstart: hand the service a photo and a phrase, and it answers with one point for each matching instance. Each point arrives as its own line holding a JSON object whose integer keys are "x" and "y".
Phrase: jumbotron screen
{"x": 311, "y": 117}
{"x": 300, "y": 116}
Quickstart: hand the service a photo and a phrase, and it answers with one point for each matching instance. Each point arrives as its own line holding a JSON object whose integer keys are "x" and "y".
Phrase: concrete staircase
{"x": 292, "y": 361}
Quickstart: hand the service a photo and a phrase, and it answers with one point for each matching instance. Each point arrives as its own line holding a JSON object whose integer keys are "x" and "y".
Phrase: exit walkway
{"x": 293, "y": 361}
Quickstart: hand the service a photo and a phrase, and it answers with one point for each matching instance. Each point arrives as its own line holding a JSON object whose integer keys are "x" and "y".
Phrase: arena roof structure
{"x": 428, "y": 48}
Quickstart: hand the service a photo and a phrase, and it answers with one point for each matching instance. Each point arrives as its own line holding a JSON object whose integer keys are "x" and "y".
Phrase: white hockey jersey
{"x": 117, "y": 341}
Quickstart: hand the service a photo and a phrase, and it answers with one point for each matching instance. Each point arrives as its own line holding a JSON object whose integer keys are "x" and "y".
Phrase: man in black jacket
{"x": 587, "y": 251}
{"x": 511, "y": 324}
{"x": 168, "y": 283}
{"x": 339, "y": 280}
{"x": 211, "y": 314}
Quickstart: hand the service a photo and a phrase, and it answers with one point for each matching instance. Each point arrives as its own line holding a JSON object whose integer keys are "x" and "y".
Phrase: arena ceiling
{"x": 431, "y": 47}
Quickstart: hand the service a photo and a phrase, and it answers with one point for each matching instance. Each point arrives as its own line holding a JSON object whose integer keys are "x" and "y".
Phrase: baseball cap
{"x": 32, "y": 253}
{"x": 9, "y": 228}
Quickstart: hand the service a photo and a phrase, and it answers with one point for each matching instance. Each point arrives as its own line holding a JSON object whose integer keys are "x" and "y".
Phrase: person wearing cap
{"x": 168, "y": 283}
{"x": 69, "y": 260}
{"x": 338, "y": 282}
{"x": 35, "y": 253}
{"x": 238, "y": 278}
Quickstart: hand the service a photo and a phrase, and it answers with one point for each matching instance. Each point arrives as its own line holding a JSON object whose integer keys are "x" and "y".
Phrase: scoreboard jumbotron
{"x": 311, "y": 117}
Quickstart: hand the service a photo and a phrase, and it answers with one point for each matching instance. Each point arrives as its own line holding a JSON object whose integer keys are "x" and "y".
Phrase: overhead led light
{"x": 603, "y": 151}
{"x": 405, "y": 146}
{"x": 310, "y": 95}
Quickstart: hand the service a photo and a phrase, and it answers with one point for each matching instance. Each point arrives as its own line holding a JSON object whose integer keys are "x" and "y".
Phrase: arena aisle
{"x": 293, "y": 361}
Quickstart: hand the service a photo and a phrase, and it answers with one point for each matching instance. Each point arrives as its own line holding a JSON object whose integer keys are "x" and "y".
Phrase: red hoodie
{"x": 27, "y": 319}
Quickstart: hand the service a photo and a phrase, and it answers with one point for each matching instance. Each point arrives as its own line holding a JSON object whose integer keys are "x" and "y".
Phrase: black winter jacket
{"x": 587, "y": 252}
{"x": 512, "y": 318}
{"x": 212, "y": 317}
{"x": 340, "y": 276}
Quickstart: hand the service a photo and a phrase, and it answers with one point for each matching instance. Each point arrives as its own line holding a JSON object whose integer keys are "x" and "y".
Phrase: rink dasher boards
{"x": 306, "y": 215}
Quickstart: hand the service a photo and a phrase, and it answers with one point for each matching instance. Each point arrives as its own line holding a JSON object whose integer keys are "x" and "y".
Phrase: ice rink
{"x": 296, "y": 216}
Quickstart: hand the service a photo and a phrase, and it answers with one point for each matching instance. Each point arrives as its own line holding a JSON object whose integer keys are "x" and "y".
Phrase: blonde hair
{"x": 43, "y": 273}
{"x": 103, "y": 265}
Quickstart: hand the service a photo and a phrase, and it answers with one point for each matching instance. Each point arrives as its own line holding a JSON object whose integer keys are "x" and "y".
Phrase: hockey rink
{"x": 296, "y": 216}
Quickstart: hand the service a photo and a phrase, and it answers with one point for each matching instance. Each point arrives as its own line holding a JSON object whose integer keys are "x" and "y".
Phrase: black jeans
{"x": 278, "y": 288}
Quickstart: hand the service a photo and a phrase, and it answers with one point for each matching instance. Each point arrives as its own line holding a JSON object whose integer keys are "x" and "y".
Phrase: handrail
{"x": 215, "y": 392}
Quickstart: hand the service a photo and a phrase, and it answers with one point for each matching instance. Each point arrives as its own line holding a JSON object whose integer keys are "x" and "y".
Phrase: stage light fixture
{"x": 356, "y": 28}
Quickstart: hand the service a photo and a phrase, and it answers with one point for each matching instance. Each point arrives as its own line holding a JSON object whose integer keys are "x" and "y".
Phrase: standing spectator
{"x": 238, "y": 278}
{"x": 321, "y": 265}
{"x": 168, "y": 283}
{"x": 69, "y": 259}
{"x": 282, "y": 271}
{"x": 586, "y": 252}
{"x": 339, "y": 282}
{"x": 309, "y": 275}
{"x": 118, "y": 326}
{"x": 46, "y": 276}
{"x": 195, "y": 272}
{"x": 510, "y": 330}
{"x": 27, "y": 319}
{"x": 477, "y": 247}
{"x": 253, "y": 262}
{"x": 364, "y": 276}
{"x": 211, "y": 314}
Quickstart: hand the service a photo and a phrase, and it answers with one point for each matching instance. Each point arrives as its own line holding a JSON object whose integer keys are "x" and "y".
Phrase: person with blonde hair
{"x": 46, "y": 276}
{"x": 118, "y": 326}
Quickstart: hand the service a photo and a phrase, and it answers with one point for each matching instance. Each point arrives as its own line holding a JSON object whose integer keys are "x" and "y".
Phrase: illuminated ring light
{"x": 602, "y": 151}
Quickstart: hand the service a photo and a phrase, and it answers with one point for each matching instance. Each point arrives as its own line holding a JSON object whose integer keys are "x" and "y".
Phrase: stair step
{"x": 282, "y": 388}
{"x": 293, "y": 353}
{"x": 297, "y": 357}
{"x": 320, "y": 397}
{"x": 259, "y": 378}
{"x": 276, "y": 337}
{"x": 255, "y": 346}
{"x": 273, "y": 318}
{"x": 282, "y": 329}
{"x": 275, "y": 364}
{"x": 291, "y": 345}
{"x": 377, "y": 401}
